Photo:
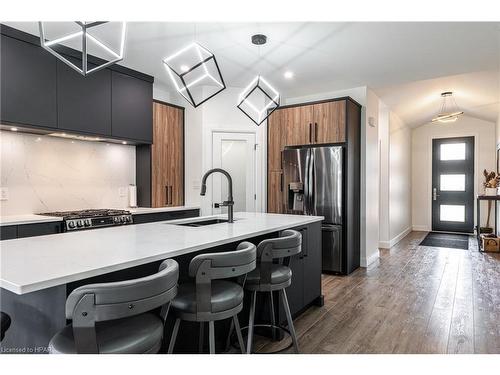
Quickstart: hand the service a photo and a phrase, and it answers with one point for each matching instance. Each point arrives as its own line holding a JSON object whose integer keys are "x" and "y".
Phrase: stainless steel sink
{"x": 202, "y": 223}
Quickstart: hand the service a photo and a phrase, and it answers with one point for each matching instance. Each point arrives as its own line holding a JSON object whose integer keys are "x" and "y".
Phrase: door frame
{"x": 207, "y": 204}
{"x": 451, "y": 134}
{"x": 468, "y": 194}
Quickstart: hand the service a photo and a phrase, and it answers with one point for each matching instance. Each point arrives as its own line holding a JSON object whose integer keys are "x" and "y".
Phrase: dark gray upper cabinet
{"x": 131, "y": 108}
{"x": 28, "y": 84}
{"x": 84, "y": 103}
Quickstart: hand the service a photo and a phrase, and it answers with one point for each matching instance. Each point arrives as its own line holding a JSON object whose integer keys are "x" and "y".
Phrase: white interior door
{"x": 235, "y": 153}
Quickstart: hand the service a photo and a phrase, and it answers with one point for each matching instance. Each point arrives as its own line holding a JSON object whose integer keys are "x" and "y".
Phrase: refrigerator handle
{"x": 312, "y": 206}
{"x": 306, "y": 184}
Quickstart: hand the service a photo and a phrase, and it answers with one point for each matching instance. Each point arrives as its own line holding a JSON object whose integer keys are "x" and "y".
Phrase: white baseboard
{"x": 372, "y": 258}
{"x": 395, "y": 240}
{"x": 421, "y": 228}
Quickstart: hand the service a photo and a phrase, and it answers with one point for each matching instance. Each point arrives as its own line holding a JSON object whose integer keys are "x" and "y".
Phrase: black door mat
{"x": 449, "y": 240}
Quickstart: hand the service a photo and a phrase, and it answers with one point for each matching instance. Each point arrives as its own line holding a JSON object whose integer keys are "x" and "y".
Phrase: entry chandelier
{"x": 86, "y": 34}
{"x": 259, "y": 99}
{"x": 195, "y": 73}
{"x": 449, "y": 110}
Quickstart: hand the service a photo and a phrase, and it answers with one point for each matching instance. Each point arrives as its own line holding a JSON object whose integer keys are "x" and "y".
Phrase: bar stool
{"x": 270, "y": 277}
{"x": 4, "y": 324}
{"x": 211, "y": 298}
{"x": 113, "y": 318}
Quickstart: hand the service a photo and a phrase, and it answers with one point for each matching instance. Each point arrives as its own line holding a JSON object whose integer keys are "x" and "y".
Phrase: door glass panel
{"x": 233, "y": 154}
{"x": 448, "y": 212}
{"x": 452, "y": 182}
{"x": 453, "y": 151}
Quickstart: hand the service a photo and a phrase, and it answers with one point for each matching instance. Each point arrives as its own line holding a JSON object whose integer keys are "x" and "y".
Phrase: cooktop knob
{"x": 87, "y": 222}
{"x": 71, "y": 224}
{"x": 79, "y": 223}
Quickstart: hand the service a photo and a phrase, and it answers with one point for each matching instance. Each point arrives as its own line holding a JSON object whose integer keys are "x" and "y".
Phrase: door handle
{"x": 316, "y": 132}
{"x": 434, "y": 194}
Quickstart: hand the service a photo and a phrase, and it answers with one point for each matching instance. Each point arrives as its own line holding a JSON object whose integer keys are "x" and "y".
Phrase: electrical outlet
{"x": 4, "y": 194}
{"x": 196, "y": 184}
{"x": 122, "y": 191}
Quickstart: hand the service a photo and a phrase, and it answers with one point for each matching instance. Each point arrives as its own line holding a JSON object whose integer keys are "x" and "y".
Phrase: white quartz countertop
{"x": 34, "y": 218}
{"x": 35, "y": 263}
{"x": 27, "y": 219}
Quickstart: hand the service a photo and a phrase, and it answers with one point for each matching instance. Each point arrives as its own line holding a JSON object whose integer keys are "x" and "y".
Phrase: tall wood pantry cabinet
{"x": 160, "y": 166}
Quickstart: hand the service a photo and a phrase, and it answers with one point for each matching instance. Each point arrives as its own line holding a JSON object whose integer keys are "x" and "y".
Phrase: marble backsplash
{"x": 44, "y": 173}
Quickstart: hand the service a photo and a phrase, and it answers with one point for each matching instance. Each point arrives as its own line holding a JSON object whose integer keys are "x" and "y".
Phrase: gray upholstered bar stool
{"x": 212, "y": 298}
{"x": 116, "y": 317}
{"x": 270, "y": 276}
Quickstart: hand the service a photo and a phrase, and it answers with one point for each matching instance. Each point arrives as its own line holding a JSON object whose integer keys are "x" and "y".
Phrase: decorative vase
{"x": 490, "y": 191}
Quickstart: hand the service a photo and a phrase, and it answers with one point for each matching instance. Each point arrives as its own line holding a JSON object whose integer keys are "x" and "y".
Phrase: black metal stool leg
{"x": 201, "y": 337}
{"x": 251, "y": 322}
{"x": 291, "y": 328}
{"x": 174, "y": 336}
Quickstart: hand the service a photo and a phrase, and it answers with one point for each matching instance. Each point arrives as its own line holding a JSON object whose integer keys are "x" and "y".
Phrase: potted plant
{"x": 491, "y": 182}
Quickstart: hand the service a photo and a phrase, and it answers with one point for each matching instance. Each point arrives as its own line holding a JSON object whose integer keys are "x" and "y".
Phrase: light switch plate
{"x": 4, "y": 194}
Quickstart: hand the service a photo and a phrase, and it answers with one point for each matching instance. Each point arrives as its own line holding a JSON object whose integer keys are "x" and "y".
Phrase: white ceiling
{"x": 387, "y": 57}
{"x": 477, "y": 94}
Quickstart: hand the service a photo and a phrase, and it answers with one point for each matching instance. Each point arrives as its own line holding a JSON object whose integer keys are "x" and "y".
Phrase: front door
{"x": 453, "y": 184}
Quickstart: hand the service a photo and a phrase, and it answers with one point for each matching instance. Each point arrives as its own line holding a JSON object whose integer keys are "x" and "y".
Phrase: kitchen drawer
{"x": 162, "y": 216}
{"x": 40, "y": 229}
{"x": 8, "y": 232}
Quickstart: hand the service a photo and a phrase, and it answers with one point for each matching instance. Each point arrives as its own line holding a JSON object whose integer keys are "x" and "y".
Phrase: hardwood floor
{"x": 415, "y": 299}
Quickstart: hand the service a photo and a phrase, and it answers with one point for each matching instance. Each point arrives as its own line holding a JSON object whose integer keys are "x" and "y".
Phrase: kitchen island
{"x": 37, "y": 274}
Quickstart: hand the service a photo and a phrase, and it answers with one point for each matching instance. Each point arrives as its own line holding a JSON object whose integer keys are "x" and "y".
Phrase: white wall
{"x": 370, "y": 181}
{"x": 484, "y": 148}
{"x": 45, "y": 173}
{"x": 383, "y": 134}
{"x": 399, "y": 180}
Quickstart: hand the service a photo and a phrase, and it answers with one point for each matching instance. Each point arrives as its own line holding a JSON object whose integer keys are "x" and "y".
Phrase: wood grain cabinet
{"x": 329, "y": 122}
{"x": 160, "y": 166}
{"x": 301, "y": 124}
{"x": 167, "y": 156}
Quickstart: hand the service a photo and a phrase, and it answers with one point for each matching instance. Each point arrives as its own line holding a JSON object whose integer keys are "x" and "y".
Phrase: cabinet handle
{"x": 316, "y": 132}
{"x": 310, "y": 133}
{"x": 171, "y": 196}
{"x": 166, "y": 195}
{"x": 281, "y": 181}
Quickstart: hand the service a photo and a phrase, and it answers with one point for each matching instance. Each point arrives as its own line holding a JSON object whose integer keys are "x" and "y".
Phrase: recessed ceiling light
{"x": 184, "y": 68}
{"x": 288, "y": 74}
{"x": 13, "y": 129}
{"x": 124, "y": 142}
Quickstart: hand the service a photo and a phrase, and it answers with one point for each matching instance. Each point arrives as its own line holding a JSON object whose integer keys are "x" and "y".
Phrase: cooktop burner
{"x": 88, "y": 219}
{"x": 67, "y": 215}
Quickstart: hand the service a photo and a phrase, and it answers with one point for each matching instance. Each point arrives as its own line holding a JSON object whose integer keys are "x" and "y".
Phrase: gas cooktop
{"x": 93, "y": 218}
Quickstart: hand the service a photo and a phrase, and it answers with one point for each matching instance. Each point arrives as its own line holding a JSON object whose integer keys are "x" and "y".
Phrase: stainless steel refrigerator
{"x": 314, "y": 184}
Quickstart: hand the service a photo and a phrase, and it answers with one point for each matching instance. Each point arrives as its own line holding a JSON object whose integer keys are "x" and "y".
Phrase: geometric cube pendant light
{"x": 86, "y": 38}
{"x": 195, "y": 74}
{"x": 258, "y": 100}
